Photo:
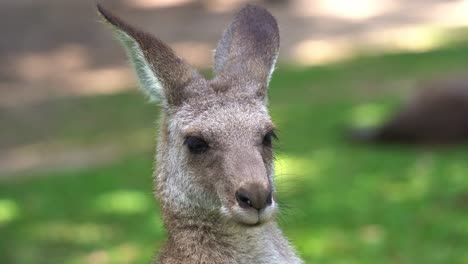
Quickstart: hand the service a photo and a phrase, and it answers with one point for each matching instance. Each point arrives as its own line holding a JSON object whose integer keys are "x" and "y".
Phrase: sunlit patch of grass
{"x": 120, "y": 254}
{"x": 368, "y": 115}
{"x": 123, "y": 202}
{"x": 124, "y": 253}
{"x": 290, "y": 167}
{"x": 68, "y": 232}
{"x": 420, "y": 177}
{"x": 9, "y": 211}
{"x": 325, "y": 242}
{"x": 372, "y": 234}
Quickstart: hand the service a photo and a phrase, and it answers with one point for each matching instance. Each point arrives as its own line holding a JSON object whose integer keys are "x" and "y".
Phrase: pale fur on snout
{"x": 214, "y": 176}
{"x": 250, "y": 216}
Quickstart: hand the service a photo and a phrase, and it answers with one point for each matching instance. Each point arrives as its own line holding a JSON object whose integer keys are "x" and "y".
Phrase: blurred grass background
{"x": 342, "y": 203}
{"x": 77, "y": 140}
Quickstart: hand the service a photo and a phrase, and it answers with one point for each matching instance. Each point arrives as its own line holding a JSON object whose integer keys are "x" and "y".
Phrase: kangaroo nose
{"x": 254, "y": 196}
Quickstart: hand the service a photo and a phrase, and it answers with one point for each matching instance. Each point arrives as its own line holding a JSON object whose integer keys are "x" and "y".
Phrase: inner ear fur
{"x": 162, "y": 75}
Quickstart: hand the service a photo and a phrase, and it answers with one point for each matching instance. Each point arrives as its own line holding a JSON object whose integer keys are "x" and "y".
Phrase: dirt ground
{"x": 57, "y": 47}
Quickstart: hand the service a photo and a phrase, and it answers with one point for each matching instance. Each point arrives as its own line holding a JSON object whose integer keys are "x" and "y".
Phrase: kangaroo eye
{"x": 196, "y": 145}
{"x": 267, "y": 139}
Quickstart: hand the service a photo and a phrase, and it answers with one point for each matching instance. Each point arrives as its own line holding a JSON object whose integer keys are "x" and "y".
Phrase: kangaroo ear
{"x": 248, "y": 50}
{"x": 162, "y": 75}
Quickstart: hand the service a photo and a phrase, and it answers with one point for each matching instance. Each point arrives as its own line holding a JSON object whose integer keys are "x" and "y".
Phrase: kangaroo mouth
{"x": 252, "y": 225}
{"x": 250, "y": 217}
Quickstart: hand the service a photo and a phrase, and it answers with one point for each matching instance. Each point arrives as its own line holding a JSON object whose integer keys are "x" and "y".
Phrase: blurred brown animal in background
{"x": 438, "y": 114}
{"x": 214, "y": 165}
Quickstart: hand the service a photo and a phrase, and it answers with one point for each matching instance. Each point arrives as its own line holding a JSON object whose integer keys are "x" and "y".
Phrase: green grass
{"x": 342, "y": 203}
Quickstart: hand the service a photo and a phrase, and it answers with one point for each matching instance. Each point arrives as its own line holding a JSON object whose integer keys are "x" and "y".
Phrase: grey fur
{"x": 197, "y": 192}
{"x": 247, "y": 52}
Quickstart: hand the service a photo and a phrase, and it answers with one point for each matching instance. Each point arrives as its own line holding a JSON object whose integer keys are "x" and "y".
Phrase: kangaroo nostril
{"x": 251, "y": 196}
{"x": 243, "y": 199}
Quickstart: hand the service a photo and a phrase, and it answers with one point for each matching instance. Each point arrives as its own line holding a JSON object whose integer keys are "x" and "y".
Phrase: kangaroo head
{"x": 214, "y": 155}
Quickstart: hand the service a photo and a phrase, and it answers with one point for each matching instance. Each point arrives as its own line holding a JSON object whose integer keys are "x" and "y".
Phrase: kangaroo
{"x": 214, "y": 160}
{"x": 436, "y": 115}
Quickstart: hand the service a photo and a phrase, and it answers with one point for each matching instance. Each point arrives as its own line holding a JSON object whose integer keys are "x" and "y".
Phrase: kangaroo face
{"x": 214, "y": 153}
{"x": 226, "y": 146}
